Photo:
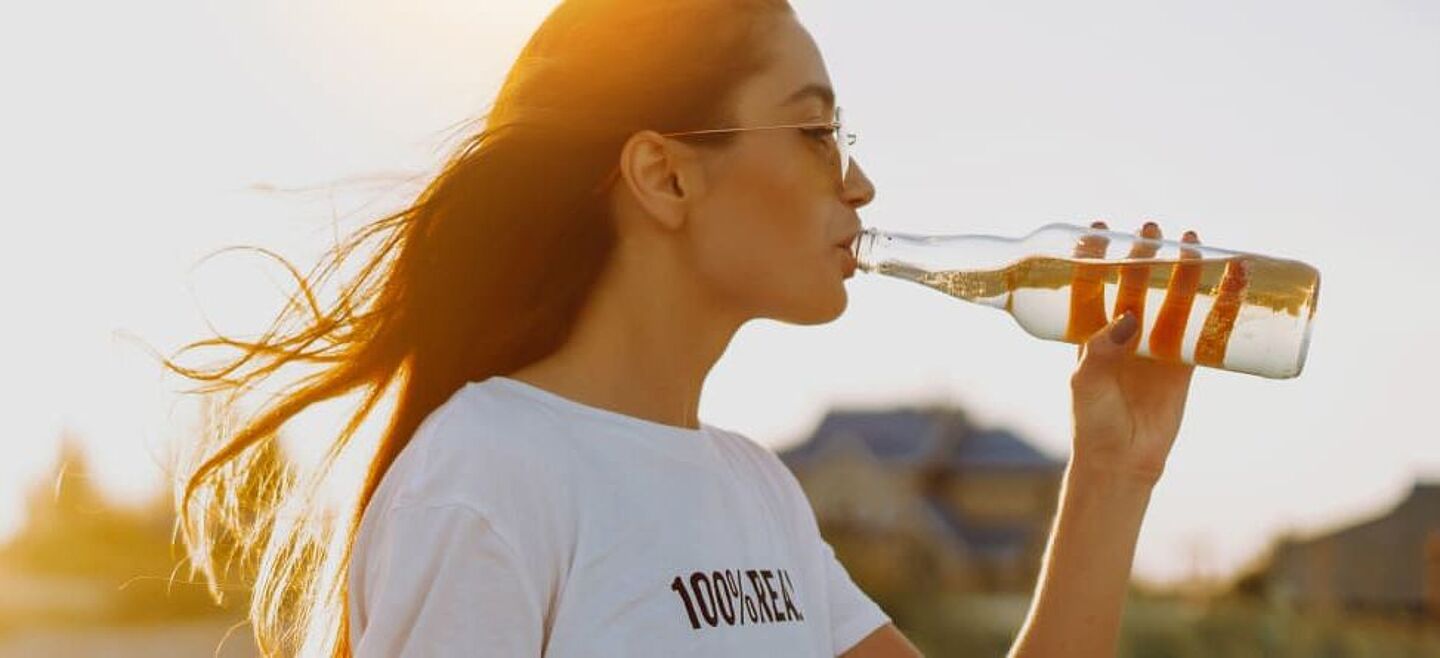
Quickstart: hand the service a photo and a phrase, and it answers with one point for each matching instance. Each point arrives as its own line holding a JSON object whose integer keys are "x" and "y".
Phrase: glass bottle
{"x": 1197, "y": 304}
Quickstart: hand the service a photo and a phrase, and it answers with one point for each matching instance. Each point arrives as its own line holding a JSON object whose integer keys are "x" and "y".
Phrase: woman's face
{"x": 770, "y": 233}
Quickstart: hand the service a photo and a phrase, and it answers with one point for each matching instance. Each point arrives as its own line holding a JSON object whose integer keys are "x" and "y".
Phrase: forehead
{"x": 793, "y": 79}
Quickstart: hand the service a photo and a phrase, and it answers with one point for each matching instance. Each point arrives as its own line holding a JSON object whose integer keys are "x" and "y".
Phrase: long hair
{"x": 483, "y": 273}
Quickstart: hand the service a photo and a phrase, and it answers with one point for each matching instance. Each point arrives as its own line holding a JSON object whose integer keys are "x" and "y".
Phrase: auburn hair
{"x": 483, "y": 273}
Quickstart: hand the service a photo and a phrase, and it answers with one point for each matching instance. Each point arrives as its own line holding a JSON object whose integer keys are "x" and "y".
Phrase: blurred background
{"x": 1296, "y": 518}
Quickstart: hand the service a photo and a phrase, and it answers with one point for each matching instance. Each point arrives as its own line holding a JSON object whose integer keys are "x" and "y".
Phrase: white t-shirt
{"x": 521, "y": 523}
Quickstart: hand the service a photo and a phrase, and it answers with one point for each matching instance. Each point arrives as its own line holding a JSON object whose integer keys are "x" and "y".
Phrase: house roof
{"x": 999, "y": 449}
{"x": 910, "y": 437}
{"x": 1340, "y": 563}
{"x": 1425, "y": 492}
{"x": 1423, "y": 502}
{"x": 904, "y": 436}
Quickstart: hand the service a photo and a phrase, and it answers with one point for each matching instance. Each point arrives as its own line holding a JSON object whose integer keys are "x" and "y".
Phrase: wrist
{"x": 1094, "y": 474}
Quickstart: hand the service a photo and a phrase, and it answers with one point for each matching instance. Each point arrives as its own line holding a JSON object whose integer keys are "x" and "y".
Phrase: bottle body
{"x": 1197, "y": 304}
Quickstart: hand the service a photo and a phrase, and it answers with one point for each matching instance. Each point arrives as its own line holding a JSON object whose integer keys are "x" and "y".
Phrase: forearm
{"x": 1083, "y": 581}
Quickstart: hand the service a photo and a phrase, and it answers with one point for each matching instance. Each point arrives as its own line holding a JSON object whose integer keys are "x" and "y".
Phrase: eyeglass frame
{"x": 844, "y": 139}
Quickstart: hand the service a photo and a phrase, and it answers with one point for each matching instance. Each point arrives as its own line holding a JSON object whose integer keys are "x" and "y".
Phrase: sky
{"x": 142, "y": 136}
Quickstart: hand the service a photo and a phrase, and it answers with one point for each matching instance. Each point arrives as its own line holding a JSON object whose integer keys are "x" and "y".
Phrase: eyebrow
{"x": 813, "y": 90}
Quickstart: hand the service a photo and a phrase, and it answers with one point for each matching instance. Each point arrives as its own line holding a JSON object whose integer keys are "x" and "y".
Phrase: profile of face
{"x": 763, "y": 223}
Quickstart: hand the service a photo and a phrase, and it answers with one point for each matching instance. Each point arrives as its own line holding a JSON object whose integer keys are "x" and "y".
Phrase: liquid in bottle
{"x": 1197, "y": 304}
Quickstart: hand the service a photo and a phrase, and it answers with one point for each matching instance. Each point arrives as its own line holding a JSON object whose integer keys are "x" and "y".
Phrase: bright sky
{"x": 1307, "y": 129}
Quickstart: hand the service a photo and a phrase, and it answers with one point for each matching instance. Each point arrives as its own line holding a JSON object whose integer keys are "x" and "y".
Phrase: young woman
{"x": 653, "y": 175}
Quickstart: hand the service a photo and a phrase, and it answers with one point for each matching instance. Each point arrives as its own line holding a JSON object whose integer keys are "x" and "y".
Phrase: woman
{"x": 652, "y": 176}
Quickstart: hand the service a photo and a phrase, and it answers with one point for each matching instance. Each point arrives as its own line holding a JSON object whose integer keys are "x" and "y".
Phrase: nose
{"x": 859, "y": 190}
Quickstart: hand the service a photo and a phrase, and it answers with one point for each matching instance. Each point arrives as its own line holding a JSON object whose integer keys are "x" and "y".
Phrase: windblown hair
{"x": 483, "y": 273}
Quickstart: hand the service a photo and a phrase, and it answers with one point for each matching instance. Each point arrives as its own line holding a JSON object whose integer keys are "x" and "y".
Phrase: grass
{"x": 191, "y": 639}
{"x": 1156, "y": 627}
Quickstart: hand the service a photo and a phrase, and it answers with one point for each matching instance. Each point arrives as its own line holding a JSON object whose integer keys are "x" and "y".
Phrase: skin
{"x": 711, "y": 238}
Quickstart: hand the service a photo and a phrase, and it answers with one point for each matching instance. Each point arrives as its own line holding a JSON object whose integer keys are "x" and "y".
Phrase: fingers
{"x": 1135, "y": 279}
{"x": 1104, "y": 350}
{"x": 1169, "y": 330}
{"x": 1215, "y": 335}
{"x": 1087, "y": 288}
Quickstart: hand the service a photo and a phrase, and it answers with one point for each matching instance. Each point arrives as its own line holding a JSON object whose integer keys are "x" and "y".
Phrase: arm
{"x": 1081, "y": 594}
{"x": 1127, "y": 414}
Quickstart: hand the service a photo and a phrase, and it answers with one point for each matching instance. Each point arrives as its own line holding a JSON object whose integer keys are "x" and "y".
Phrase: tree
{"x": 74, "y": 537}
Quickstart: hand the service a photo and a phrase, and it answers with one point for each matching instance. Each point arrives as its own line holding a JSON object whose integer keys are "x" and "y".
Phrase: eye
{"x": 820, "y": 133}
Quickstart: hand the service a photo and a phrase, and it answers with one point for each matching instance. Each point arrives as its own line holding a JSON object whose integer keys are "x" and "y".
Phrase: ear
{"x": 662, "y": 174}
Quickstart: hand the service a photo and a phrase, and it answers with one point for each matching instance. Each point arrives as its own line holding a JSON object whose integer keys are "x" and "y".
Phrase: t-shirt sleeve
{"x": 853, "y": 615}
{"x": 441, "y": 580}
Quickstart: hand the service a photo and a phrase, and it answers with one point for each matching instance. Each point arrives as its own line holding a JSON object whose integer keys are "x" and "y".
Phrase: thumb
{"x": 1108, "y": 346}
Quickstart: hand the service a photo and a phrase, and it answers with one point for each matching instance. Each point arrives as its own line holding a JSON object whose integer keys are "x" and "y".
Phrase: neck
{"x": 642, "y": 346}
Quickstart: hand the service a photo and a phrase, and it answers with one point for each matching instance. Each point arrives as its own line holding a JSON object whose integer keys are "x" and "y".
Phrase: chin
{"x": 819, "y": 309}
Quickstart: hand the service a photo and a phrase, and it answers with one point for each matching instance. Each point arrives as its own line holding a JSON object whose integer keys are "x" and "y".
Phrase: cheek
{"x": 764, "y": 234}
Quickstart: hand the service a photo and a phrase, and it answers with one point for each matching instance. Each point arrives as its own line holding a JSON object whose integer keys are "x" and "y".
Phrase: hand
{"x": 1128, "y": 408}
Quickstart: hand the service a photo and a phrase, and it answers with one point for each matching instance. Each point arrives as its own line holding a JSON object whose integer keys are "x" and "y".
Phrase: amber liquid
{"x": 1245, "y": 313}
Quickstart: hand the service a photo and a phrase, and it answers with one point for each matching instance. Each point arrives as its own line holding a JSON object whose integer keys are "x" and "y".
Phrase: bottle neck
{"x": 885, "y": 252}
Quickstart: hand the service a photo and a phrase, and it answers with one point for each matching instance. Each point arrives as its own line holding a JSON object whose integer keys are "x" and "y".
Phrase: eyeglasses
{"x": 835, "y": 129}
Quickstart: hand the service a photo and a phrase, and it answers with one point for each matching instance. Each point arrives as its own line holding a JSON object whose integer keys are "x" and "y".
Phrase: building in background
{"x": 918, "y": 499}
{"x": 1388, "y": 564}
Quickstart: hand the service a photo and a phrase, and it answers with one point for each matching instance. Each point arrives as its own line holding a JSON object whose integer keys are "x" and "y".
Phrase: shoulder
{"x": 738, "y": 445}
{"x": 479, "y": 449}
{"x": 762, "y": 461}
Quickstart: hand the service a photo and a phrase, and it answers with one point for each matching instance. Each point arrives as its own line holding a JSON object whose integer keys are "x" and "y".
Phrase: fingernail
{"x": 1124, "y": 330}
